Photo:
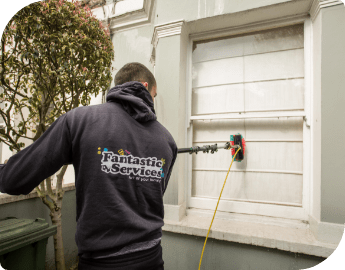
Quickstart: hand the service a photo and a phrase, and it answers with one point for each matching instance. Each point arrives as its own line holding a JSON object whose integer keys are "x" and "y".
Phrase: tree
{"x": 54, "y": 55}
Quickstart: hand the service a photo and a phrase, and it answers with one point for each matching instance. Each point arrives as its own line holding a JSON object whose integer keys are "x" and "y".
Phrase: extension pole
{"x": 206, "y": 148}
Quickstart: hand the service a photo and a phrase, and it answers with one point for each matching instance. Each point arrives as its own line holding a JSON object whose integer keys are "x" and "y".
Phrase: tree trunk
{"x": 58, "y": 241}
{"x": 55, "y": 207}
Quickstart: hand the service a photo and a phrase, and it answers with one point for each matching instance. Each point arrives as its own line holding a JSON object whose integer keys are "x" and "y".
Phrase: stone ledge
{"x": 292, "y": 239}
{"x": 6, "y": 198}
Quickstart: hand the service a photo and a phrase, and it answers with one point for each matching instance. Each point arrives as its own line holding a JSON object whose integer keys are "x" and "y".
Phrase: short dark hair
{"x": 135, "y": 72}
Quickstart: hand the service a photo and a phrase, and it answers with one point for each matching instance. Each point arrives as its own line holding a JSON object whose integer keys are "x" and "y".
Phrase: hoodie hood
{"x": 135, "y": 100}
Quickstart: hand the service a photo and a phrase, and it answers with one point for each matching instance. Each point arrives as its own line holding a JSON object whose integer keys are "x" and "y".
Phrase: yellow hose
{"x": 239, "y": 148}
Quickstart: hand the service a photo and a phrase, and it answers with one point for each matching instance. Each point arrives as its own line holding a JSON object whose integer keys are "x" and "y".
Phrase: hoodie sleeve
{"x": 170, "y": 170}
{"x": 29, "y": 167}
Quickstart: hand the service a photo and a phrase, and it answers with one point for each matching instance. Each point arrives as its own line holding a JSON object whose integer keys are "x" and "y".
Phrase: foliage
{"x": 54, "y": 55}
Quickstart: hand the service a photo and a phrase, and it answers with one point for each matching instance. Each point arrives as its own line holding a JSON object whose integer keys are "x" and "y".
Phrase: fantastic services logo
{"x": 131, "y": 165}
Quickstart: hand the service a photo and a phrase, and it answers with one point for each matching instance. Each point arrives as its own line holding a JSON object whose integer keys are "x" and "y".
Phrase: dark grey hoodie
{"x": 122, "y": 157}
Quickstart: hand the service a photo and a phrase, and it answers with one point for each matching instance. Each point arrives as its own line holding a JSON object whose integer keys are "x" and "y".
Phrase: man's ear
{"x": 146, "y": 84}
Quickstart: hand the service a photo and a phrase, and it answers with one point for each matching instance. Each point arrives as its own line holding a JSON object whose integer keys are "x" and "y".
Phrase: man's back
{"x": 122, "y": 167}
{"x": 122, "y": 159}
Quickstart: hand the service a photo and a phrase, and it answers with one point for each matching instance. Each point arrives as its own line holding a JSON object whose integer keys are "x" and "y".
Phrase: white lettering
{"x": 131, "y": 165}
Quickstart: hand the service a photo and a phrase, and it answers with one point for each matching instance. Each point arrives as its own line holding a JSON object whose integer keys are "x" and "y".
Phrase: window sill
{"x": 6, "y": 198}
{"x": 292, "y": 237}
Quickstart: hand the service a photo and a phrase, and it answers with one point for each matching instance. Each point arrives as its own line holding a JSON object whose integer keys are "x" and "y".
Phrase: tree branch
{"x": 2, "y": 79}
{"x": 59, "y": 191}
{"x": 42, "y": 195}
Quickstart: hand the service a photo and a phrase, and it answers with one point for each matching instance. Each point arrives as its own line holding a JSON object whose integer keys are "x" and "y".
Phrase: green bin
{"x": 23, "y": 243}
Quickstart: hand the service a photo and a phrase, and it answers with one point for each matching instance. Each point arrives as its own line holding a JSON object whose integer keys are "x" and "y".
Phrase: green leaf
{"x": 67, "y": 53}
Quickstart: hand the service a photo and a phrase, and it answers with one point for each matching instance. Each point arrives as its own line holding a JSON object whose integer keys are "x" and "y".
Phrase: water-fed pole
{"x": 235, "y": 142}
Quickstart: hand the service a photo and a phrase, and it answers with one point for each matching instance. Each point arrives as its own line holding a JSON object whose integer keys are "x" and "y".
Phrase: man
{"x": 123, "y": 158}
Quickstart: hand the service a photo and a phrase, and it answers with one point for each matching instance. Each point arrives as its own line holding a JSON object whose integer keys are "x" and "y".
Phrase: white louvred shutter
{"x": 251, "y": 84}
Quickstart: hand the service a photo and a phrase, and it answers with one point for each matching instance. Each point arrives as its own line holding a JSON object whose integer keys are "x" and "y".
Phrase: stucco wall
{"x": 190, "y": 10}
{"x": 167, "y": 74}
{"x": 332, "y": 115}
{"x": 183, "y": 252}
{"x": 133, "y": 45}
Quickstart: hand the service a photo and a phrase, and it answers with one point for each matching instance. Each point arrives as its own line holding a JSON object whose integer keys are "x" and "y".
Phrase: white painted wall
{"x": 198, "y": 9}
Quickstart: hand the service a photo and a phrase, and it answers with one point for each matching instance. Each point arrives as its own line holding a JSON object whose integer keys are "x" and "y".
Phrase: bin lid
{"x": 16, "y": 233}
{"x": 12, "y": 227}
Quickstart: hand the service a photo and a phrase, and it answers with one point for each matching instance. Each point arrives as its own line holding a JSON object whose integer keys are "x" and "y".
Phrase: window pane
{"x": 257, "y": 73}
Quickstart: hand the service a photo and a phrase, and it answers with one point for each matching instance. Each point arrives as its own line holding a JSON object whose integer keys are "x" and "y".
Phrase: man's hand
{"x": 5, "y": 161}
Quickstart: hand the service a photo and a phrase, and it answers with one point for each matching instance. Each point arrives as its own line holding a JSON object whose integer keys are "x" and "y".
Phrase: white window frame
{"x": 273, "y": 210}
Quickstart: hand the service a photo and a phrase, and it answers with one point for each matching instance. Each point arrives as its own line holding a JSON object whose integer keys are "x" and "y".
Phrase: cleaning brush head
{"x": 238, "y": 140}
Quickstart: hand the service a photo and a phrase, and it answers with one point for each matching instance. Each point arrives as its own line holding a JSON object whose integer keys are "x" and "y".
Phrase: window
{"x": 122, "y": 7}
{"x": 125, "y": 13}
{"x": 251, "y": 84}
